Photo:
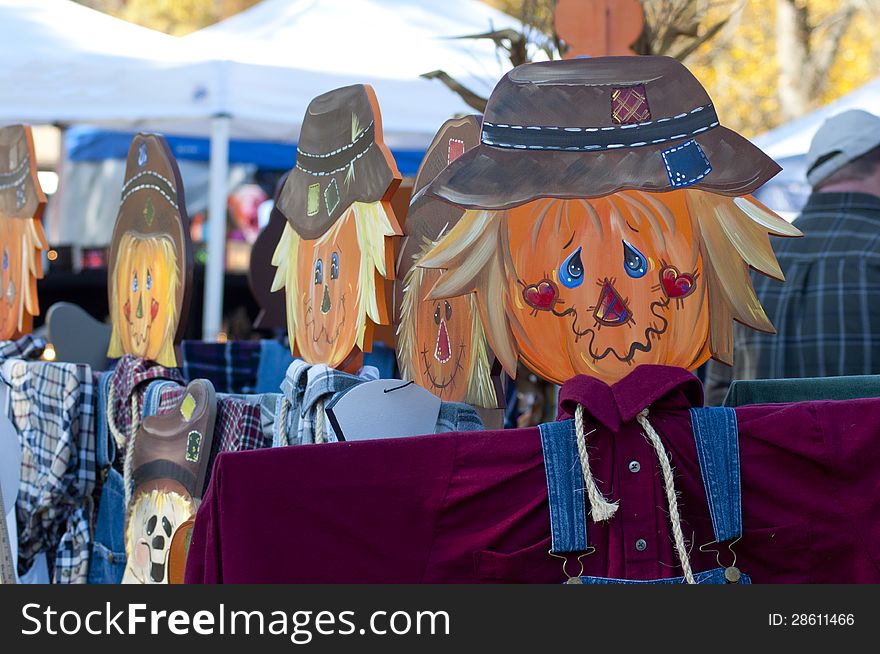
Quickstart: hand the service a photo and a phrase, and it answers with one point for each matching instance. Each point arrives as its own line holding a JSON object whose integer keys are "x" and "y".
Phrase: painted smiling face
{"x": 21, "y": 232}
{"x": 443, "y": 331}
{"x": 328, "y": 306}
{"x": 146, "y": 286}
{"x": 610, "y": 283}
{"x": 335, "y": 284}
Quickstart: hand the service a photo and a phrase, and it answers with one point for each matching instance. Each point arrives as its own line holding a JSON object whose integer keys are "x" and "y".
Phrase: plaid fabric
{"x": 630, "y": 105}
{"x": 130, "y": 376}
{"x": 231, "y": 367}
{"x": 307, "y": 388}
{"x": 826, "y": 312}
{"x": 53, "y": 410}
{"x": 237, "y": 425}
{"x": 26, "y": 347}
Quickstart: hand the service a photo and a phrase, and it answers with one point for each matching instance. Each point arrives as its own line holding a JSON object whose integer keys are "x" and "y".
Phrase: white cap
{"x": 840, "y": 139}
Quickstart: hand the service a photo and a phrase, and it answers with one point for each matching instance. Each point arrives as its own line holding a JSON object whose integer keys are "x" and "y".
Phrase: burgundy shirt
{"x": 472, "y": 507}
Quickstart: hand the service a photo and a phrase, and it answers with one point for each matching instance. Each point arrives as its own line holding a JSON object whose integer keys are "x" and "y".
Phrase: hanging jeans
{"x": 107, "y": 562}
{"x": 717, "y": 442}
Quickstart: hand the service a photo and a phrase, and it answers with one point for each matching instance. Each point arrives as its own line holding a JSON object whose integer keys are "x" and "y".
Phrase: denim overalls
{"x": 717, "y": 443}
{"x": 107, "y": 563}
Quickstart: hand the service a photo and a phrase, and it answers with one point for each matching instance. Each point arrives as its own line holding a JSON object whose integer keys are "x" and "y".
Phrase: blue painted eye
{"x": 134, "y": 284}
{"x": 571, "y": 272}
{"x": 149, "y": 281}
{"x": 334, "y": 266}
{"x": 319, "y": 272}
{"x": 634, "y": 262}
{"x": 5, "y": 259}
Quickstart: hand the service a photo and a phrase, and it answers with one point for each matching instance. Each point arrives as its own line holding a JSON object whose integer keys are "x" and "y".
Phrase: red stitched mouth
{"x": 611, "y": 310}
{"x": 442, "y": 352}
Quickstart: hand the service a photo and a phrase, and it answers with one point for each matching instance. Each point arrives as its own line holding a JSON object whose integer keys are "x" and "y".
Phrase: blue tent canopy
{"x": 84, "y": 143}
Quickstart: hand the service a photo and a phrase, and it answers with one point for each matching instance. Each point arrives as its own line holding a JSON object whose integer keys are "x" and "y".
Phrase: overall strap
{"x": 565, "y": 487}
{"x": 717, "y": 440}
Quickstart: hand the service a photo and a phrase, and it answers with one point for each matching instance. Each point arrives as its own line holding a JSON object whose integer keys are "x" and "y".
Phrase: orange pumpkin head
{"x": 150, "y": 265}
{"x": 598, "y": 286}
{"x": 336, "y": 251}
{"x": 21, "y": 233}
{"x": 335, "y": 284}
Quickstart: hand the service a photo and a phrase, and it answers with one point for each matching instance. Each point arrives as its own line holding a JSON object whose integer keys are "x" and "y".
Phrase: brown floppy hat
{"x": 590, "y": 127}
{"x": 340, "y": 159}
{"x": 428, "y": 217}
{"x": 173, "y": 450}
{"x": 153, "y": 202}
{"x": 20, "y": 192}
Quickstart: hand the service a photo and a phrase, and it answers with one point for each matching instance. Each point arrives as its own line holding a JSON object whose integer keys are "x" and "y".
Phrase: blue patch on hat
{"x": 686, "y": 164}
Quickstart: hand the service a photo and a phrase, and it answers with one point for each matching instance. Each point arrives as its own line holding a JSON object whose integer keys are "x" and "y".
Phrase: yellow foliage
{"x": 740, "y": 68}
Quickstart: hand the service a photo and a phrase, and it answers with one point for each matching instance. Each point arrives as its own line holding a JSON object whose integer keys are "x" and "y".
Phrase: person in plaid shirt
{"x": 826, "y": 313}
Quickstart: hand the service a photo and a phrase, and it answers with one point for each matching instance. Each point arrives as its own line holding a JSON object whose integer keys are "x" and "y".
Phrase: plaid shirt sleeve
{"x": 53, "y": 411}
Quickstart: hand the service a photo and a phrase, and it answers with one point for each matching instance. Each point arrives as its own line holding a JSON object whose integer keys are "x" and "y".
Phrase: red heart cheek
{"x": 541, "y": 296}
{"x": 126, "y": 309}
{"x": 676, "y": 285}
{"x": 154, "y": 309}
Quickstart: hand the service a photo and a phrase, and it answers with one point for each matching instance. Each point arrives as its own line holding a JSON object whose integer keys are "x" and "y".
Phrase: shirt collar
{"x": 620, "y": 403}
{"x": 837, "y": 202}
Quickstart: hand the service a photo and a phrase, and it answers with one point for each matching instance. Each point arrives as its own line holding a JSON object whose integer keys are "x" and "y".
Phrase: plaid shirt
{"x": 53, "y": 410}
{"x": 130, "y": 376}
{"x": 26, "y": 347}
{"x": 307, "y": 387}
{"x": 826, "y": 312}
{"x": 231, "y": 367}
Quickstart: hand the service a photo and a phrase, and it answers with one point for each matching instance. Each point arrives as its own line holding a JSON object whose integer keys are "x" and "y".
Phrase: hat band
{"x": 329, "y": 163}
{"x": 150, "y": 180}
{"x": 15, "y": 177}
{"x": 165, "y": 469}
{"x": 582, "y": 139}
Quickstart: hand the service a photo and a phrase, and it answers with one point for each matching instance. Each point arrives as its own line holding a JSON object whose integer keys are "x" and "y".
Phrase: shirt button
{"x": 641, "y": 544}
{"x": 634, "y": 466}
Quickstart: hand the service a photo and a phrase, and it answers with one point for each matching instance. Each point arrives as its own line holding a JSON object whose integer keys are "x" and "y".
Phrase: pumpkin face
{"x": 443, "y": 338}
{"x": 603, "y": 285}
{"x": 146, "y": 286}
{"x": 327, "y": 308}
{"x": 21, "y": 232}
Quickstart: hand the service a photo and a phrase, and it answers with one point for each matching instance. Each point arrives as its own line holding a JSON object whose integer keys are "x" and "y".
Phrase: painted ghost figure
{"x": 608, "y": 222}
{"x": 150, "y": 267}
{"x": 441, "y": 343}
{"x": 335, "y": 254}
{"x": 21, "y": 233}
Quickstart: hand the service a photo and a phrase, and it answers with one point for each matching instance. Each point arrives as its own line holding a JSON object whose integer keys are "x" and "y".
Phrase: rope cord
{"x": 600, "y": 508}
{"x": 671, "y": 496}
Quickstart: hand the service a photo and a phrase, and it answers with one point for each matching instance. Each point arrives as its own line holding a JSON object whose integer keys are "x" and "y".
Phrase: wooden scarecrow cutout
{"x": 335, "y": 254}
{"x": 21, "y": 232}
{"x": 150, "y": 266}
{"x": 609, "y": 222}
{"x": 441, "y": 344}
{"x": 168, "y": 461}
{"x": 261, "y": 272}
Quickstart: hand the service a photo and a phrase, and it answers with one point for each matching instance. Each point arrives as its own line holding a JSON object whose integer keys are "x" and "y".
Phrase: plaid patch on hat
{"x": 630, "y": 105}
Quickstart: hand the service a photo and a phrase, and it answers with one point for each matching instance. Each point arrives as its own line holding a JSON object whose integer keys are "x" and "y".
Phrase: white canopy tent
{"x": 249, "y": 77}
{"x": 789, "y": 143}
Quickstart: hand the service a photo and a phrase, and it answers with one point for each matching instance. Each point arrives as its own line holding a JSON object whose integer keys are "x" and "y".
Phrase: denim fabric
{"x": 275, "y": 357}
{"x": 717, "y": 438}
{"x": 107, "y": 561}
{"x": 384, "y": 359}
{"x": 714, "y": 576}
{"x": 717, "y": 441}
{"x": 565, "y": 487}
{"x": 153, "y": 395}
